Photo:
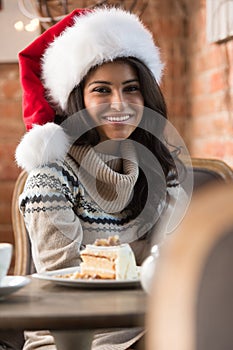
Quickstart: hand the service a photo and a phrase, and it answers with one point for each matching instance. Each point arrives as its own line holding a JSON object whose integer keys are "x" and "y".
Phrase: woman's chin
{"x": 118, "y": 136}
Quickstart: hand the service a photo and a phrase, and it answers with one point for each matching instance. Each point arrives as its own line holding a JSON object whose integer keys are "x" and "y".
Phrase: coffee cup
{"x": 5, "y": 259}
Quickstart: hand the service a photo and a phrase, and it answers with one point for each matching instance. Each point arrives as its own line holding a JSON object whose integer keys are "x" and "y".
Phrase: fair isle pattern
{"x": 56, "y": 188}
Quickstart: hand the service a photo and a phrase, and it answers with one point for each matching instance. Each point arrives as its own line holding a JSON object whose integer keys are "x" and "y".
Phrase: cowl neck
{"x": 108, "y": 179}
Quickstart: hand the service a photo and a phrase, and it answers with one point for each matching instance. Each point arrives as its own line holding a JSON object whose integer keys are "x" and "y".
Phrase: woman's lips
{"x": 118, "y": 118}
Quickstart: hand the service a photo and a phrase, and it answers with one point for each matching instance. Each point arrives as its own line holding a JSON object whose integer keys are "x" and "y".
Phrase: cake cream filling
{"x": 124, "y": 266}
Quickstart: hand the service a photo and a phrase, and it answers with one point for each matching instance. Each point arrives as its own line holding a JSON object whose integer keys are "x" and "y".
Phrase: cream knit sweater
{"x": 68, "y": 203}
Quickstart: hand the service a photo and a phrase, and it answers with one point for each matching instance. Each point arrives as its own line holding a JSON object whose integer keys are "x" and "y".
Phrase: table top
{"x": 43, "y": 305}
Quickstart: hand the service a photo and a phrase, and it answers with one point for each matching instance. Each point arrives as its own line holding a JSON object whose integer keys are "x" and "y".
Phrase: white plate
{"x": 85, "y": 283}
{"x": 11, "y": 284}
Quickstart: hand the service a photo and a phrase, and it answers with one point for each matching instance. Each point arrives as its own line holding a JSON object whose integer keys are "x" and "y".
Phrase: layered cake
{"x": 108, "y": 259}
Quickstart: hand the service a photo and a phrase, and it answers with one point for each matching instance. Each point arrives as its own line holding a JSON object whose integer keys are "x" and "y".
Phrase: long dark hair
{"x": 156, "y": 106}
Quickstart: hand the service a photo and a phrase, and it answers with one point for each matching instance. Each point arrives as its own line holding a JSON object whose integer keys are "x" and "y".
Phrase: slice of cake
{"x": 108, "y": 259}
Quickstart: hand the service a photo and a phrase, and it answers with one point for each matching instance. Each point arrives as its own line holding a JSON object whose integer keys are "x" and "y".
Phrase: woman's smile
{"x": 119, "y": 118}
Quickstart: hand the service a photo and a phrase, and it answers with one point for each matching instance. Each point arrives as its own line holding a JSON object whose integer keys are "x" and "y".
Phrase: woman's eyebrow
{"x": 100, "y": 82}
{"x": 109, "y": 83}
{"x": 130, "y": 81}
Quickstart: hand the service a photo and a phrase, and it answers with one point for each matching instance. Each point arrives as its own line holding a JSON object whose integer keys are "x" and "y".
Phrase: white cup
{"x": 148, "y": 269}
{"x": 5, "y": 259}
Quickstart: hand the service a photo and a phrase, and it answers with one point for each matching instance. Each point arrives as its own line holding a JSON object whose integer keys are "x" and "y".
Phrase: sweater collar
{"x": 109, "y": 180}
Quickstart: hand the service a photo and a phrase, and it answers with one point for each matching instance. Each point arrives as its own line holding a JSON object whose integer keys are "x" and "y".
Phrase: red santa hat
{"x": 56, "y": 62}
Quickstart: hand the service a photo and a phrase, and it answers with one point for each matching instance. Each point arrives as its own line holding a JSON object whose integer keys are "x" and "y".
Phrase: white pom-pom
{"x": 41, "y": 145}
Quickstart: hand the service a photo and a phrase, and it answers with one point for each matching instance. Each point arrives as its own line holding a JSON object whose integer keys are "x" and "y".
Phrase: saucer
{"x": 58, "y": 277}
{"x": 11, "y": 284}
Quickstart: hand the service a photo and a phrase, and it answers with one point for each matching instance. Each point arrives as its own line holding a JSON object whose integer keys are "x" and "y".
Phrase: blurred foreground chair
{"x": 191, "y": 306}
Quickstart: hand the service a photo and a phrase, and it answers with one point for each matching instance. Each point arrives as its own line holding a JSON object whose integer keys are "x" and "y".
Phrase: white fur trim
{"x": 96, "y": 37}
{"x": 41, "y": 145}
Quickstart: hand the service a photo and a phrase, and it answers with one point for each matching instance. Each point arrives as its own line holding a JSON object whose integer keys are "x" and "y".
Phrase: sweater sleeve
{"x": 55, "y": 231}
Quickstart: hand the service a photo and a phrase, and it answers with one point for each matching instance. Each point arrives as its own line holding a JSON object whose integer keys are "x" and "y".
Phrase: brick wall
{"x": 169, "y": 23}
{"x": 11, "y": 130}
{"x": 198, "y": 81}
{"x": 197, "y": 85}
{"x": 210, "y": 91}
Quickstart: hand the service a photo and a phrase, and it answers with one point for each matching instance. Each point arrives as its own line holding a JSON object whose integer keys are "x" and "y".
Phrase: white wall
{"x": 12, "y": 41}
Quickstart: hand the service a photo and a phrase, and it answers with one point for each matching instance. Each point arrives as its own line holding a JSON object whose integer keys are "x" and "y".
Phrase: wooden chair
{"x": 208, "y": 170}
{"x": 191, "y": 306}
{"x": 23, "y": 258}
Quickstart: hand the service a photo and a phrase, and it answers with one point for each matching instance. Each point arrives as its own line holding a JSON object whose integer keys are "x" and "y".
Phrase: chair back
{"x": 191, "y": 305}
{"x": 23, "y": 258}
{"x": 206, "y": 171}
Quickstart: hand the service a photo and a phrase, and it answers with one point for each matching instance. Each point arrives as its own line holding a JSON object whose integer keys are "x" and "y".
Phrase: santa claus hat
{"x": 60, "y": 58}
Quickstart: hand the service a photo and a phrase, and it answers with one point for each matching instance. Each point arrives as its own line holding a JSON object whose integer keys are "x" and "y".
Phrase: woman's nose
{"x": 117, "y": 102}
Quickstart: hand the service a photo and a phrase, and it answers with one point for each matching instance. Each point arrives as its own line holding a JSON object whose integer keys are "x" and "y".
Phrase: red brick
{"x": 9, "y": 71}
{"x": 218, "y": 81}
{"x": 11, "y": 89}
{"x": 6, "y": 234}
{"x": 213, "y": 148}
{"x": 230, "y": 78}
{"x": 229, "y": 147}
{"x": 8, "y": 167}
{"x": 211, "y": 57}
{"x": 5, "y": 213}
{"x": 6, "y": 190}
{"x": 213, "y": 125}
{"x": 207, "y": 104}
{"x": 11, "y": 130}
{"x": 11, "y": 110}
{"x": 198, "y": 85}
{"x": 176, "y": 69}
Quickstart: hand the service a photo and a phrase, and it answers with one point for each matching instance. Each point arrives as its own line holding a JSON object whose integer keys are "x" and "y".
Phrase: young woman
{"x": 97, "y": 161}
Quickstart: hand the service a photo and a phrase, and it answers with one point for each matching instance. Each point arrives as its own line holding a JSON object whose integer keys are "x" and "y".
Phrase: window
{"x": 219, "y": 20}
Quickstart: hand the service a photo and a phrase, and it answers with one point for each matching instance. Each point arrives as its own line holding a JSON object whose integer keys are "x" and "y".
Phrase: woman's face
{"x": 113, "y": 99}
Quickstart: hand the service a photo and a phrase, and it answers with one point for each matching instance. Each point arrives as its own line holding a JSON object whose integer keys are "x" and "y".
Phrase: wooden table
{"x": 70, "y": 312}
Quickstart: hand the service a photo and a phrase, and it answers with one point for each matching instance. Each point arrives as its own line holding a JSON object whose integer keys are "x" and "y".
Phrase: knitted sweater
{"x": 70, "y": 201}
{"x": 66, "y": 205}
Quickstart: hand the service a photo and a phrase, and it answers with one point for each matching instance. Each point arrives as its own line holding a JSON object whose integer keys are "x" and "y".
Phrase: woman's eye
{"x": 101, "y": 89}
{"x": 132, "y": 88}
